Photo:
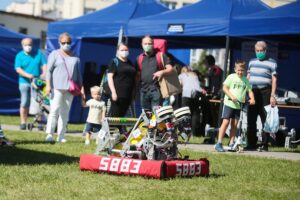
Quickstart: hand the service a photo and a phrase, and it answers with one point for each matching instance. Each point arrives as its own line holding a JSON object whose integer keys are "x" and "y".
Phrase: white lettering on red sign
{"x": 120, "y": 165}
{"x": 188, "y": 169}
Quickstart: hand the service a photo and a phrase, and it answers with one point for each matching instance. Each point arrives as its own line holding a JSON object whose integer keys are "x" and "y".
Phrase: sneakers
{"x": 62, "y": 140}
{"x": 22, "y": 126}
{"x": 49, "y": 138}
{"x": 87, "y": 142}
{"x": 263, "y": 148}
{"x": 230, "y": 147}
{"x": 219, "y": 147}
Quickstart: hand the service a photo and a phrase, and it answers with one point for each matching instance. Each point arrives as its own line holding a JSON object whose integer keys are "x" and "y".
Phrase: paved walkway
{"x": 200, "y": 147}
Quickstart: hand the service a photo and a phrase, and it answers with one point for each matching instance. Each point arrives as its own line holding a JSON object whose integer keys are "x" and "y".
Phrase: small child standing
{"x": 96, "y": 113}
{"x": 235, "y": 88}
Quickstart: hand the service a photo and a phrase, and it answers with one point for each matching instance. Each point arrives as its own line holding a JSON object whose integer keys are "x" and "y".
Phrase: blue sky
{"x": 4, "y": 3}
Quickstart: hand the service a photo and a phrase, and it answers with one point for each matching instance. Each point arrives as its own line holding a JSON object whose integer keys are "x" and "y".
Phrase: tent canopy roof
{"x": 283, "y": 20}
{"x": 106, "y": 22}
{"x": 204, "y": 18}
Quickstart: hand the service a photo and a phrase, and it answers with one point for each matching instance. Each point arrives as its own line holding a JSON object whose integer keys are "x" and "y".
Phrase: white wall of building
{"x": 35, "y": 26}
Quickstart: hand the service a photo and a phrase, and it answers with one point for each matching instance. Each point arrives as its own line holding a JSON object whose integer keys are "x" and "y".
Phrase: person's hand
{"x": 114, "y": 96}
{"x": 204, "y": 92}
{"x": 48, "y": 89}
{"x": 251, "y": 101}
{"x": 42, "y": 76}
{"x": 158, "y": 74}
{"x": 272, "y": 101}
{"x": 30, "y": 76}
{"x": 234, "y": 99}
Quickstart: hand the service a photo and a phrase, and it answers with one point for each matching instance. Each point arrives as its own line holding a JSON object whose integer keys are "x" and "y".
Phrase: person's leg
{"x": 155, "y": 98}
{"x": 87, "y": 130}
{"x": 196, "y": 122}
{"x": 115, "y": 109}
{"x": 265, "y": 94}
{"x": 222, "y": 129}
{"x": 145, "y": 100}
{"x": 251, "y": 121}
{"x": 233, "y": 125}
{"x": 119, "y": 109}
{"x": 55, "y": 104}
{"x": 219, "y": 146}
{"x": 25, "y": 103}
{"x": 64, "y": 110}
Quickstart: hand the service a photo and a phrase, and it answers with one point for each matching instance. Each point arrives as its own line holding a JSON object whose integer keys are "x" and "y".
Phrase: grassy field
{"x": 36, "y": 170}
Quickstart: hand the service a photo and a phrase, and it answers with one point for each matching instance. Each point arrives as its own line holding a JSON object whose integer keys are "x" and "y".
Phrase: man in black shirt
{"x": 150, "y": 73}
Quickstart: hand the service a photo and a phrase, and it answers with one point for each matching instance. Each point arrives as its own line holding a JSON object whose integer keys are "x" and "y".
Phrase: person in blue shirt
{"x": 29, "y": 63}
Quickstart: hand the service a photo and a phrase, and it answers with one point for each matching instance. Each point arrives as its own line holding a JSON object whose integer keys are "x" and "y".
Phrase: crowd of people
{"x": 258, "y": 81}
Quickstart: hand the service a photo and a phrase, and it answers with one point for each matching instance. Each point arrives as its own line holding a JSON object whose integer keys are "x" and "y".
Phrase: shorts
{"x": 25, "y": 95}
{"x": 229, "y": 112}
{"x": 90, "y": 127}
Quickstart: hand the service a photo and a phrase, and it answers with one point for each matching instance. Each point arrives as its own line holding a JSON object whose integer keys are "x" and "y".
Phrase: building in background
{"x": 26, "y": 24}
{"x": 58, "y": 9}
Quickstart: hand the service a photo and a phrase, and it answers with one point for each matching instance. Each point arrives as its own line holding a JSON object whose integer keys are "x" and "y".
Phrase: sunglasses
{"x": 63, "y": 43}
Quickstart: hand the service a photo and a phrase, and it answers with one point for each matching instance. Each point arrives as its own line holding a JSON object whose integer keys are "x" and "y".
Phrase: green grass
{"x": 36, "y": 170}
{"x": 15, "y": 120}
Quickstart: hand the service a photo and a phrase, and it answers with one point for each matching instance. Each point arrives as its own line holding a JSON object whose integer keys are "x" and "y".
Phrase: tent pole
{"x": 224, "y": 76}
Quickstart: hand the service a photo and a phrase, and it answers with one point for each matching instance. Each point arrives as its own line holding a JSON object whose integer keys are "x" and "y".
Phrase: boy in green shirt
{"x": 235, "y": 88}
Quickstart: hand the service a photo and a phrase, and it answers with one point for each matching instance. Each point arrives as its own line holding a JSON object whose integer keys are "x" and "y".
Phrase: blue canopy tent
{"x": 206, "y": 18}
{"x": 98, "y": 33}
{"x": 283, "y": 20}
{"x": 10, "y": 44}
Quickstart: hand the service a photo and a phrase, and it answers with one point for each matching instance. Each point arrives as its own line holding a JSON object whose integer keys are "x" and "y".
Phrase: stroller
{"x": 40, "y": 104}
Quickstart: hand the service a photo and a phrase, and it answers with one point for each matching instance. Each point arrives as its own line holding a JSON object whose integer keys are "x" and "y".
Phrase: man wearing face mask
{"x": 150, "y": 74}
{"x": 263, "y": 79}
{"x": 121, "y": 80}
{"x": 29, "y": 63}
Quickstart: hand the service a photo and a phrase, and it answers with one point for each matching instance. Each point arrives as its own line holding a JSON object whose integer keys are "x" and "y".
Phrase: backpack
{"x": 106, "y": 89}
{"x": 160, "y": 47}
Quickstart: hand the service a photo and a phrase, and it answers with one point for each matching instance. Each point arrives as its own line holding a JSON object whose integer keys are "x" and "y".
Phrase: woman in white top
{"x": 191, "y": 97}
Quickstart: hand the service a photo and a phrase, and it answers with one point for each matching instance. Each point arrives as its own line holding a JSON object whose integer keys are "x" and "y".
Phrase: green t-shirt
{"x": 238, "y": 87}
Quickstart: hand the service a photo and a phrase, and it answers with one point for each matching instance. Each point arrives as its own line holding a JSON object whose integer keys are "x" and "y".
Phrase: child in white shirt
{"x": 96, "y": 113}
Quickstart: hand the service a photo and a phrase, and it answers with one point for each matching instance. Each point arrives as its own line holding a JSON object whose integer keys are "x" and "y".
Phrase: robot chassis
{"x": 154, "y": 135}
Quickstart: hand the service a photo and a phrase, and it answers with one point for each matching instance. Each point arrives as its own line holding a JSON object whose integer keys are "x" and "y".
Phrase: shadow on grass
{"x": 19, "y": 156}
{"x": 213, "y": 175}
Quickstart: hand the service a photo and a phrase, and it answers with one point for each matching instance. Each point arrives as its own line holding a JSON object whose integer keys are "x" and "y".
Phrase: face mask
{"x": 123, "y": 54}
{"x": 260, "y": 55}
{"x": 148, "y": 48}
{"x": 66, "y": 47}
{"x": 27, "y": 48}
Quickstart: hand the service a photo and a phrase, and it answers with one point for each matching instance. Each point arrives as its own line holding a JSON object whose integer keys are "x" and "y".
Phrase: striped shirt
{"x": 261, "y": 72}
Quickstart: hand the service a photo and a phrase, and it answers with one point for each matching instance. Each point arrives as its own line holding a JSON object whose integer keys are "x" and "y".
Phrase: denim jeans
{"x": 150, "y": 98}
{"x": 25, "y": 95}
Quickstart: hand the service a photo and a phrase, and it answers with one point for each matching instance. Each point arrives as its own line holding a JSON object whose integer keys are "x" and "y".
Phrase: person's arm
{"x": 43, "y": 66}
{"x": 43, "y": 74}
{"x": 112, "y": 86}
{"x": 168, "y": 69}
{"x": 21, "y": 72}
{"x": 49, "y": 71}
{"x": 103, "y": 113}
{"x": 83, "y": 102}
{"x": 251, "y": 96}
{"x": 228, "y": 93}
{"x": 273, "y": 90}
